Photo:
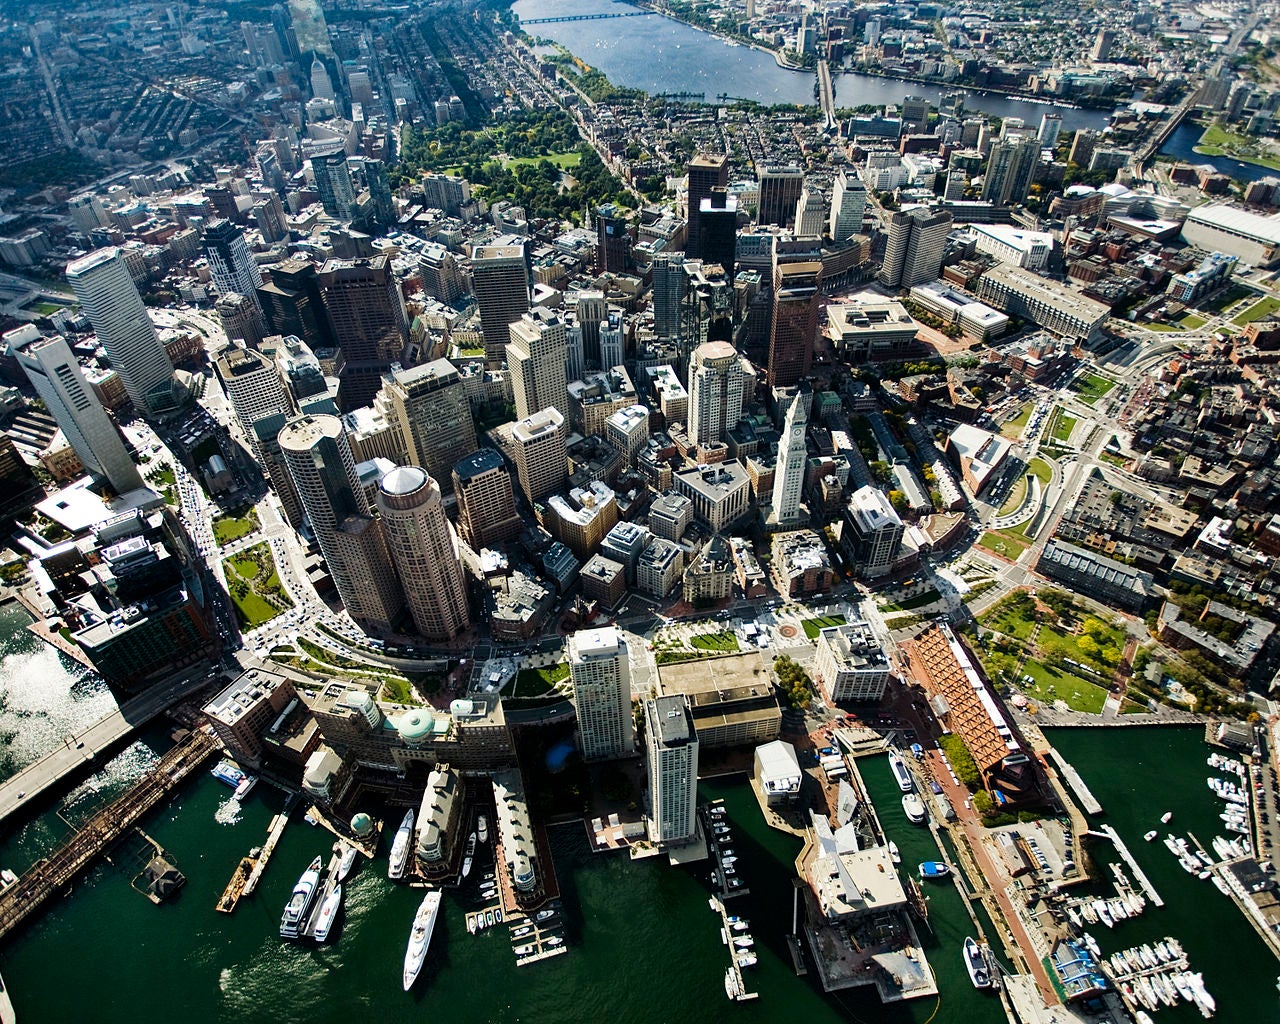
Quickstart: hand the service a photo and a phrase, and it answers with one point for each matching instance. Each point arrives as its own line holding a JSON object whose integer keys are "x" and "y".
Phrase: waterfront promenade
{"x": 85, "y": 747}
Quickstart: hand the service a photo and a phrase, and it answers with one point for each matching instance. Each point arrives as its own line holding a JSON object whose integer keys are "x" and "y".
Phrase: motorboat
{"x": 913, "y": 809}
{"x": 424, "y": 923}
{"x": 348, "y": 861}
{"x": 488, "y": 919}
{"x": 554, "y": 941}
{"x": 732, "y": 987}
{"x": 544, "y": 915}
{"x": 471, "y": 845}
{"x": 1166, "y": 817}
{"x": 1150, "y": 835}
{"x": 975, "y": 962}
{"x": 747, "y": 960}
{"x": 497, "y": 916}
{"x": 525, "y": 950}
{"x": 226, "y": 772}
{"x": 894, "y": 855}
{"x": 521, "y": 932}
{"x": 482, "y": 828}
{"x": 472, "y": 927}
{"x": 466, "y": 866}
{"x": 328, "y": 915}
{"x": 245, "y": 787}
{"x": 295, "y": 911}
{"x": 900, "y": 773}
{"x": 934, "y": 869}
{"x": 400, "y": 847}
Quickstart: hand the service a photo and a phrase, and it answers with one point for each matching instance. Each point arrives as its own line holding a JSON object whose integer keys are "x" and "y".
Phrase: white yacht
{"x": 295, "y": 911}
{"x": 328, "y": 914}
{"x": 424, "y": 923}
{"x": 400, "y": 847}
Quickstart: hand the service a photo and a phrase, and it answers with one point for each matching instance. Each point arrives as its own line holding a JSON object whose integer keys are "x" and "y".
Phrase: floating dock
{"x": 268, "y": 848}
{"x": 736, "y": 968}
{"x": 1139, "y": 875}
{"x": 547, "y": 937}
{"x": 1087, "y": 800}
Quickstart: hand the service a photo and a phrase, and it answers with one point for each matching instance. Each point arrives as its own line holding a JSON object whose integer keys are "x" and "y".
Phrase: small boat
{"x": 466, "y": 866}
{"x": 975, "y": 963}
{"x": 1166, "y": 817}
{"x": 554, "y": 941}
{"x": 471, "y": 924}
{"x": 424, "y": 923}
{"x": 471, "y": 845}
{"x": 544, "y": 915}
{"x": 747, "y": 960}
{"x": 400, "y": 847}
{"x": 1150, "y": 835}
{"x": 328, "y": 914}
{"x": 520, "y": 933}
{"x": 894, "y": 855}
{"x": 900, "y": 773}
{"x": 934, "y": 869}
{"x": 245, "y": 787}
{"x": 227, "y": 772}
{"x": 7, "y": 878}
{"x": 525, "y": 950}
{"x": 482, "y": 829}
{"x": 1221, "y": 885}
{"x": 7, "y": 1016}
{"x": 295, "y": 911}
{"x": 488, "y": 919}
{"x": 348, "y": 861}
{"x": 744, "y": 942}
{"x": 913, "y": 808}
{"x": 497, "y": 916}
{"x": 731, "y": 986}
{"x": 1091, "y": 944}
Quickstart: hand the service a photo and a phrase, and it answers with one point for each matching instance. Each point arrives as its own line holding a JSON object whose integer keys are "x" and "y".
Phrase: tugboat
{"x": 976, "y": 964}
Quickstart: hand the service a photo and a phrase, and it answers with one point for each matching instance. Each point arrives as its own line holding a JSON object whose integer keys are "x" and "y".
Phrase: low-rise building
{"x": 732, "y": 698}
{"x": 242, "y": 711}
{"x": 777, "y": 773}
{"x": 851, "y": 665}
{"x": 978, "y": 454}
{"x": 1048, "y": 304}
{"x": 869, "y": 327}
{"x": 658, "y": 569}
{"x": 519, "y": 607}
{"x": 1096, "y": 575}
{"x": 438, "y": 816}
{"x": 976, "y": 320}
{"x": 709, "y": 577}
{"x": 800, "y": 564}
{"x": 604, "y": 580}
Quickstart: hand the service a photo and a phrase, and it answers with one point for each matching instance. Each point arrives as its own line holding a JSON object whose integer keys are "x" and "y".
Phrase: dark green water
{"x": 644, "y": 946}
{"x": 1137, "y": 775}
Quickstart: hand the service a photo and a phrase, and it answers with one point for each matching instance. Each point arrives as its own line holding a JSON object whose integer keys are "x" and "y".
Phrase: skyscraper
{"x": 848, "y": 203}
{"x": 613, "y": 240}
{"x": 321, "y": 85}
{"x": 440, "y": 275}
{"x": 53, "y": 371}
{"x": 333, "y": 181}
{"x": 793, "y": 460}
{"x": 1050, "y": 129}
{"x": 255, "y": 388}
{"x": 369, "y": 324}
{"x": 592, "y": 310}
{"x": 232, "y": 265}
{"x": 718, "y": 230}
{"x": 705, "y": 173}
{"x": 319, "y": 459}
{"x": 671, "y": 742}
{"x": 794, "y": 327}
{"x": 293, "y": 304}
{"x": 779, "y": 192}
{"x": 721, "y": 384}
{"x": 668, "y": 292}
{"x": 872, "y": 533}
{"x": 384, "y": 207}
{"x": 811, "y": 211}
{"x": 536, "y": 358}
{"x": 420, "y": 541}
{"x": 240, "y": 318}
{"x": 915, "y": 247}
{"x": 501, "y": 283}
{"x": 538, "y": 448}
{"x": 486, "y": 504}
{"x": 431, "y": 406}
{"x": 1011, "y": 169}
{"x": 111, "y": 301}
{"x": 600, "y": 668}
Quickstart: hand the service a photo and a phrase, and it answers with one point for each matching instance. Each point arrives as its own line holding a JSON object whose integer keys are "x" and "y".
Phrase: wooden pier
{"x": 55, "y": 872}
{"x": 1139, "y": 875}
{"x": 1087, "y": 800}
{"x": 268, "y": 848}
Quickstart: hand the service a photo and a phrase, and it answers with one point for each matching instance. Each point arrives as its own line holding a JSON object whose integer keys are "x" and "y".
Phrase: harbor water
{"x": 660, "y": 55}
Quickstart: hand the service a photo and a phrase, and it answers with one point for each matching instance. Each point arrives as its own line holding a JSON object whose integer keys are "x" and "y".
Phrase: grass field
{"x": 1051, "y": 684}
{"x": 247, "y": 590}
{"x": 1017, "y": 495}
{"x": 1003, "y": 545}
{"x": 1005, "y": 618}
{"x": 1062, "y": 428}
{"x": 813, "y": 626}
{"x": 230, "y": 529}
{"x": 724, "y": 642}
{"x": 1164, "y": 328}
{"x": 561, "y": 160}
{"x": 1014, "y": 428}
{"x": 252, "y": 611}
{"x": 1191, "y": 321}
{"x": 919, "y": 601}
{"x": 534, "y": 682}
{"x": 1258, "y": 311}
{"x": 1093, "y": 387}
{"x": 1041, "y": 470}
{"x": 1217, "y": 141}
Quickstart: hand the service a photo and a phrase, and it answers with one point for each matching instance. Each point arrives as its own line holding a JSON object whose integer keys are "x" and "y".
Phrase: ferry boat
{"x": 934, "y": 869}
{"x": 349, "y": 854}
{"x": 328, "y": 914}
{"x": 913, "y": 808}
{"x": 900, "y": 773}
{"x": 482, "y": 829}
{"x": 424, "y": 923}
{"x": 400, "y": 847}
{"x": 226, "y": 772}
{"x": 975, "y": 962}
{"x": 295, "y": 911}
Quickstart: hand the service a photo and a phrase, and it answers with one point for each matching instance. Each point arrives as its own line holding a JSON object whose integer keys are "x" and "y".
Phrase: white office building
{"x": 792, "y": 465}
{"x": 672, "y": 745}
{"x": 600, "y": 668}
{"x": 721, "y": 383}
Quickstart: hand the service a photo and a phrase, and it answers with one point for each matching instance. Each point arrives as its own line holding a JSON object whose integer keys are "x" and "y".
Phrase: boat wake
{"x": 228, "y": 813}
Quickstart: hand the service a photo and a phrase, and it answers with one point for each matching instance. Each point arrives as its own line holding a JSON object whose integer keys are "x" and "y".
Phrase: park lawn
{"x": 1062, "y": 428}
{"x": 1132, "y": 707}
{"x": 229, "y": 529}
{"x": 1013, "y": 428}
{"x": 815, "y": 625}
{"x": 724, "y": 641}
{"x": 1004, "y": 618}
{"x": 1225, "y": 298}
{"x": 534, "y": 682}
{"x": 245, "y": 568}
{"x": 1002, "y": 545}
{"x": 1191, "y": 321}
{"x": 919, "y": 601}
{"x": 1041, "y": 470}
{"x": 252, "y": 610}
{"x": 1093, "y": 387}
{"x": 1257, "y": 311}
{"x": 561, "y": 160}
{"x": 1069, "y": 642}
{"x": 1165, "y": 328}
{"x": 1051, "y": 684}
{"x": 1017, "y": 495}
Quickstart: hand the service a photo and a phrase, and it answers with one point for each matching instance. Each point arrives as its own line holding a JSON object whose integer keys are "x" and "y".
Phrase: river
{"x": 1181, "y": 146}
{"x": 658, "y": 54}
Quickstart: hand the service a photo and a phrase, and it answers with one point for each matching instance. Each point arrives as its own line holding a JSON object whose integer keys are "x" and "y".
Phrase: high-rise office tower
{"x": 794, "y": 326}
{"x": 431, "y": 406}
{"x": 793, "y": 460}
{"x": 318, "y": 455}
{"x": 671, "y": 742}
{"x": 600, "y": 668}
{"x": 232, "y": 265}
{"x": 1011, "y": 169}
{"x": 384, "y": 207}
{"x": 254, "y": 387}
{"x": 240, "y": 318}
{"x": 916, "y": 244}
{"x": 421, "y": 544}
{"x": 612, "y": 343}
{"x": 321, "y": 84}
{"x": 613, "y": 240}
{"x": 721, "y": 384}
{"x": 293, "y": 304}
{"x": 536, "y": 357}
{"x": 87, "y": 213}
{"x": 486, "y": 503}
{"x": 718, "y": 230}
{"x": 1083, "y": 144}
{"x": 1050, "y": 129}
{"x": 111, "y": 301}
{"x": 501, "y": 283}
{"x": 441, "y": 277}
{"x": 915, "y": 112}
{"x": 268, "y": 214}
{"x": 811, "y": 213}
{"x": 591, "y": 311}
{"x": 779, "y": 192}
{"x": 668, "y": 292}
{"x": 575, "y": 364}
{"x": 872, "y": 532}
{"x": 1102, "y": 43}
{"x": 539, "y": 450}
{"x": 848, "y": 204}
{"x": 333, "y": 181}
{"x": 53, "y": 371}
{"x": 705, "y": 173}
{"x": 369, "y": 324}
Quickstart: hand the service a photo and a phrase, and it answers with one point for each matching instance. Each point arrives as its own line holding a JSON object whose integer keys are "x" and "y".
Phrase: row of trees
{"x": 794, "y": 682}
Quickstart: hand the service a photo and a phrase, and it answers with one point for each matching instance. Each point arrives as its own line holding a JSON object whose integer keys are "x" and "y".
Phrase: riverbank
{"x": 1217, "y": 141}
